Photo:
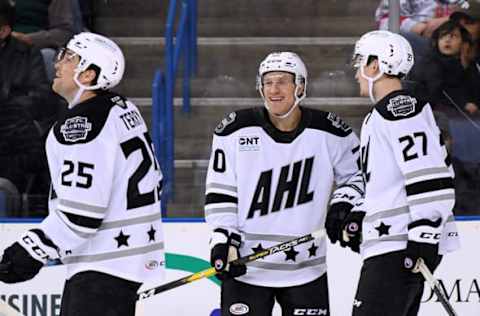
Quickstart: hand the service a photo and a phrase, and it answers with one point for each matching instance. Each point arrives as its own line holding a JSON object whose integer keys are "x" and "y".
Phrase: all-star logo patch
{"x": 402, "y": 105}
{"x": 337, "y": 122}
{"x": 75, "y": 129}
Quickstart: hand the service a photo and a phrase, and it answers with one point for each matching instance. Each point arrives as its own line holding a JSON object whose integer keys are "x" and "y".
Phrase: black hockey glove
{"x": 423, "y": 238}
{"x": 335, "y": 217}
{"x": 24, "y": 259}
{"x": 224, "y": 250}
{"x": 352, "y": 230}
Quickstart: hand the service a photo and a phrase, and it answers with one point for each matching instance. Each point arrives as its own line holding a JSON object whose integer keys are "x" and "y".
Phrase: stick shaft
{"x": 434, "y": 284}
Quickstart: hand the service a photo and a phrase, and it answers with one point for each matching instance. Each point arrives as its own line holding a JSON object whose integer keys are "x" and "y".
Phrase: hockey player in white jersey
{"x": 269, "y": 180}
{"x": 406, "y": 213}
{"x": 104, "y": 222}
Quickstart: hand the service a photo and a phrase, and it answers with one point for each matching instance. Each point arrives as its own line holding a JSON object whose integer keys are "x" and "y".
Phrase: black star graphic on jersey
{"x": 122, "y": 240}
{"x": 312, "y": 250}
{"x": 68, "y": 252}
{"x": 291, "y": 254}
{"x": 258, "y": 248}
{"x": 383, "y": 229}
{"x": 151, "y": 234}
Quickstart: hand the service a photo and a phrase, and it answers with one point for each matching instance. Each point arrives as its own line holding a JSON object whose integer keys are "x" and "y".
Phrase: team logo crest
{"x": 402, "y": 105}
{"x": 75, "y": 129}
{"x": 337, "y": 122}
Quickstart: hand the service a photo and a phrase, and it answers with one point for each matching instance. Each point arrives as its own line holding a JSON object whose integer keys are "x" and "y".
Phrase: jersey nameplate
{"x": 402, "y": 105}
{"x": 225, "y": 122}
{"x": 75, "y": 129}
{"x": 337, "y": 122}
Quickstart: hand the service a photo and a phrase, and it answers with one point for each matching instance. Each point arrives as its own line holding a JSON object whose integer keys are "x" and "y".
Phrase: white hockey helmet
{"x": 393, "y": 52}
{"x": 95, "y": 49}
{"x": 285, "y": 62}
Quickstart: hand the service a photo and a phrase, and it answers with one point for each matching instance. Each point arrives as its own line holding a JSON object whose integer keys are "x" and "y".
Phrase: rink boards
{"x": 187, "y": 251}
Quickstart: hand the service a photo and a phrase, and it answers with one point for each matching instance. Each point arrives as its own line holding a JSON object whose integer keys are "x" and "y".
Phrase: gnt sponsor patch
{"x": 402, "y": 105}
{"x": 75, "y": 129}
{"x": 337, "y": 122}
{"x": 249, "y": 143}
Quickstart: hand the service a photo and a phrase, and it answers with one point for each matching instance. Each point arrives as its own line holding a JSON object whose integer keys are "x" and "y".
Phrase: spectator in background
{"x": 447, "y": 77}
{"x": 47, "y": 25}
{"x": 24, "y": 94}
{"x": 418, "y": 20}
{"x": 473, "y": 27}
{"x": 467, "y": 174}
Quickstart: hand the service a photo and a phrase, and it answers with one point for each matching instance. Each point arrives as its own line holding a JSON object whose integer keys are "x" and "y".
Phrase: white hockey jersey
{"x": 273, "y": 186}
{"x": 407, "y": 174}
{"x": 104, "y": 212}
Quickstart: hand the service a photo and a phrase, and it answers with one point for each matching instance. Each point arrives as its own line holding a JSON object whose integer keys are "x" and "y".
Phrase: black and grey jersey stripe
{"x": 430, "y": 184}
{"x": 220, "y": 198}
{"x": 82, "y": 219}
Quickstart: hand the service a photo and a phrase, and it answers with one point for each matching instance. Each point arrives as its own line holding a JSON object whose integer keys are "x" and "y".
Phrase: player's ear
{"x": 87, "y": 76}
{"x": 300, "y": 90}
{"x": 374, "y": 65}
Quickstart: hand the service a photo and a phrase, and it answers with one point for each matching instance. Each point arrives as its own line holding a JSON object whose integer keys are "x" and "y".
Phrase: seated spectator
{"x": 467, "y": 174}
{"x": 25, "y": 98}
{"x": 418, "y": 20}
{"x": 473, "y": 27}
{"x": 471, "y": 24}
{"x": 47, "y": 25}
{"x": 445, "y": 76}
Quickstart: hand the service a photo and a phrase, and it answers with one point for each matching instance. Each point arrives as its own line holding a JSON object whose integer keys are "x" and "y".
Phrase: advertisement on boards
{"x": 187, "y": 252}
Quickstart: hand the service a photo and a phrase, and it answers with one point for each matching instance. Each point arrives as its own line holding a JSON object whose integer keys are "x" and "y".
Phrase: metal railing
{"x": 179, "y": 46}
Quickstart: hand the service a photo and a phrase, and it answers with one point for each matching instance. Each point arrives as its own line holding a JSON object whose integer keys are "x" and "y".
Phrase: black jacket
{"x": 23, "y": 80}
{"x": 25, "y": 98}
{"x": 437, "y": 74}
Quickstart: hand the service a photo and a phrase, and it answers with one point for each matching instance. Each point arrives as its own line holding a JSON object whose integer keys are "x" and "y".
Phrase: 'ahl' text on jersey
{"x": 261, "y": 197}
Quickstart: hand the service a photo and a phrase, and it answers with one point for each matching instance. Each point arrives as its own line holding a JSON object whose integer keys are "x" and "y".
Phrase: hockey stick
{"x": 242, "y": 260}
{"x": 435, "y": 285}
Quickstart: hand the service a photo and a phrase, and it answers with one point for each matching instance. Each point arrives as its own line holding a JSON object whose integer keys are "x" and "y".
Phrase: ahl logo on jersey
{"x": 248, "y": 143}
{"x": 76, "y": 128}
{"x": 402, "y": 105}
